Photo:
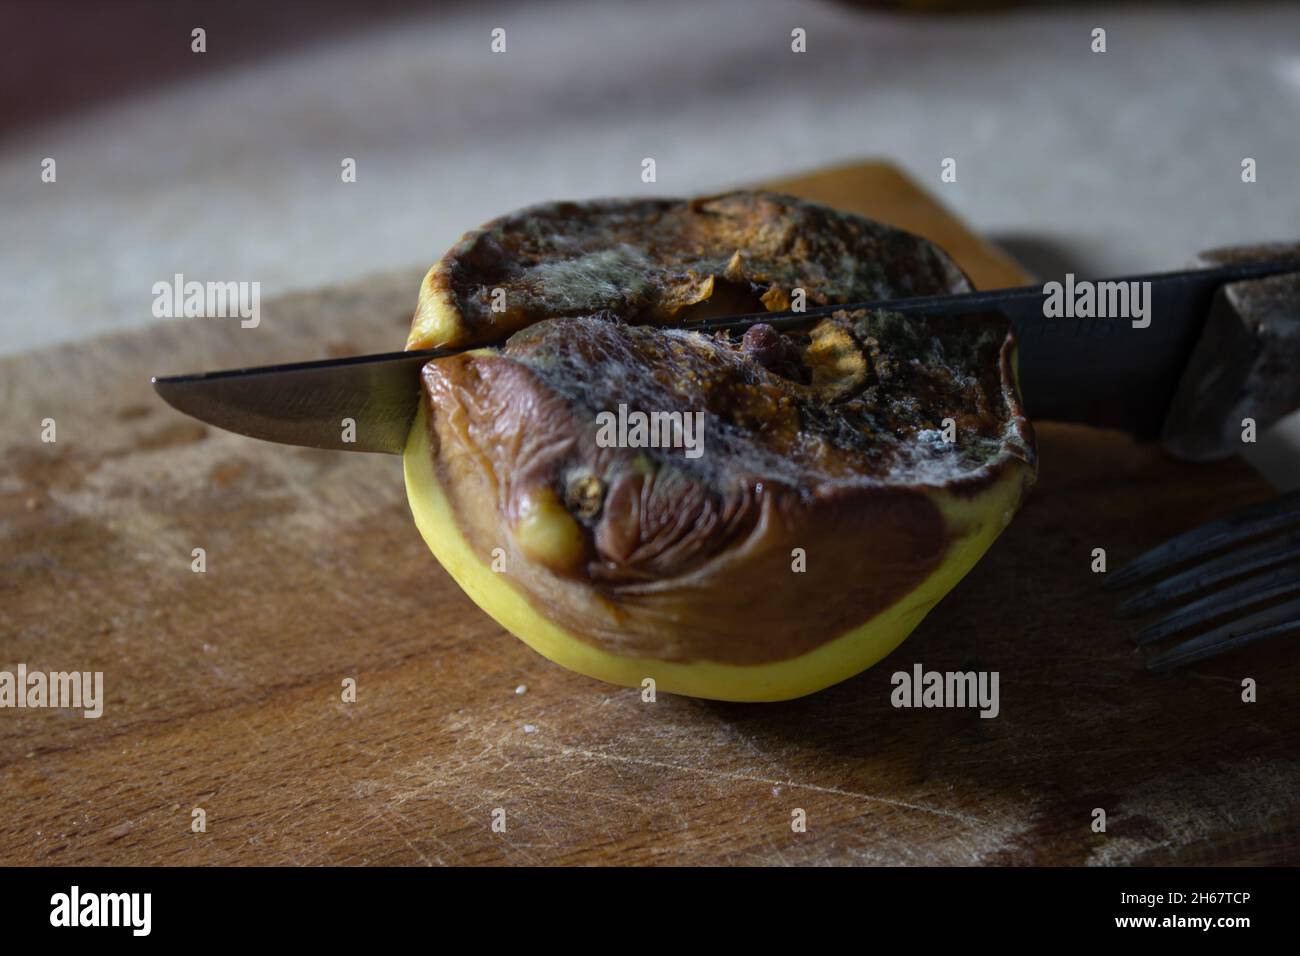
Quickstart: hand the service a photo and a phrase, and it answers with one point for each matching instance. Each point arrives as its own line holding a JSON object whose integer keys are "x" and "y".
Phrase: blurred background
{"x": 226, "y": 163}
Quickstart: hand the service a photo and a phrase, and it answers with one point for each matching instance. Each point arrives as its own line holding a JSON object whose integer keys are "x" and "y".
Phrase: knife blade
{"x": 1098, "y": 371}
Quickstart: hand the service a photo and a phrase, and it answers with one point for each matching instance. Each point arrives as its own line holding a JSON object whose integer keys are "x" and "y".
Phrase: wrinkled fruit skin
{"x": 820, "y": 521}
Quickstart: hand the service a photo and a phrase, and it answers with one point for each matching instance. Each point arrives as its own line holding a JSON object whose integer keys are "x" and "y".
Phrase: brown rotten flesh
{"x": 665, "y": 262}
{"x": 821, "y": 491}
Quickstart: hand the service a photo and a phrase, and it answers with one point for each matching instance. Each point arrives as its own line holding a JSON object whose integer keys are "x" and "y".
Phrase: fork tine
{"x": 1260, "y": 555}
{"x": 1272, "y": 622}
{"x": 1260, "y": 587}
{"x": 1277, "y": 512}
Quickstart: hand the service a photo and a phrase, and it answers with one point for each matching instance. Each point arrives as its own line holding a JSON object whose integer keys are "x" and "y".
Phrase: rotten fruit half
{"x": 665, "y": 262}
{"x": 845, "y": 477}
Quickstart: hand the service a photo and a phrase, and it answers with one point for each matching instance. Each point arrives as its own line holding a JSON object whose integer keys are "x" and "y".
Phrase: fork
{"x": 1261, "y": 541}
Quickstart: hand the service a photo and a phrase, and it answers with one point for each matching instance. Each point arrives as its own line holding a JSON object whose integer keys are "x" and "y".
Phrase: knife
{"x": 1106, "y": 372}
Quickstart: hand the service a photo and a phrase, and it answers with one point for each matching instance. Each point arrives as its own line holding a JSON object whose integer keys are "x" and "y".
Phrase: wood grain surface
{"x": 223, "y": 689}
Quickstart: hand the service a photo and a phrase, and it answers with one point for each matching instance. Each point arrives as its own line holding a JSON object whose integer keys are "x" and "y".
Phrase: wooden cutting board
{"x": 223, "y": 689}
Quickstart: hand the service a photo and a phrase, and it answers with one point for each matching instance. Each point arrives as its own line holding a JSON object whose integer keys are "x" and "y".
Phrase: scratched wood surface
{"x": 223, "y": 689}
